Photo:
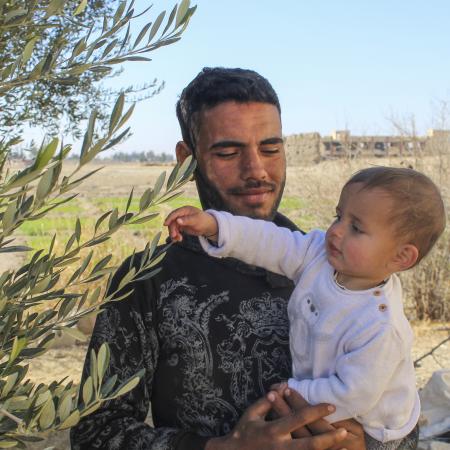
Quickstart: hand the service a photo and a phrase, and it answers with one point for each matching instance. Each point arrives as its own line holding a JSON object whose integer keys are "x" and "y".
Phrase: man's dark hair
{"x": 215, "y": 85}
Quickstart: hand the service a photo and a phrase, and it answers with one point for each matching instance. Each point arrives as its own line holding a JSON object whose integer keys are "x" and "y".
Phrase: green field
{"x": 61, "y": 221}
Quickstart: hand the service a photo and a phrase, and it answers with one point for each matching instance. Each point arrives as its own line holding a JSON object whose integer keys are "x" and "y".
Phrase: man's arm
{"x": 120, "y": 423}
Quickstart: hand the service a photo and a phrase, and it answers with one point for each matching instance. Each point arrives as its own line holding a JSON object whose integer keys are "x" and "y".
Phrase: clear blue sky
{"x": 335, "y": 64}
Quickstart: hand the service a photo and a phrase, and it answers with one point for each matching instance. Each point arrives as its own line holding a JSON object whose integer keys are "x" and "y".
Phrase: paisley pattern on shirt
{"x": 186, "y": 328}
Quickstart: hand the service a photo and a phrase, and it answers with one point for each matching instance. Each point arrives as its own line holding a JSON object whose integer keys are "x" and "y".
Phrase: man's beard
{"x": 210, "y": 197}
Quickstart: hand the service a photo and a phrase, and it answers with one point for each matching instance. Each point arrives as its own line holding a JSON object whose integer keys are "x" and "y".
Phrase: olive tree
{"x": 34, "y": 303}
{"x": 48, "y": 104}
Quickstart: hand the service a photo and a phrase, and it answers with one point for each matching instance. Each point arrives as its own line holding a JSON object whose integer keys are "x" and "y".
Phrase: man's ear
{"x": 182, "y": 151}
{"x": 406, "y": 257}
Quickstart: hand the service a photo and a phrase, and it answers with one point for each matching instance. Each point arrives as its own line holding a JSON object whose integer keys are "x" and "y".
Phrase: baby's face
{"x": 360, "y": 243}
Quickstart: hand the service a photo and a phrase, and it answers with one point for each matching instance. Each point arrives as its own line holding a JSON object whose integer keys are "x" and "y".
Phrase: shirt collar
{"x": 275, "y": 280}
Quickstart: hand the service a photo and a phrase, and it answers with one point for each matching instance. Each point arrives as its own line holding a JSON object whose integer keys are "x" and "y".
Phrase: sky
{"x": 349, "y": 64}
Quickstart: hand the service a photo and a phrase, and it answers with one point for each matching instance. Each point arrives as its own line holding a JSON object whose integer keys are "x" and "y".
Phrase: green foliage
{"x": 26, "y": 331}
{"x": 56, "y": 287}
{"x": 47, "y": 102}
{"x": 62, "y": 56}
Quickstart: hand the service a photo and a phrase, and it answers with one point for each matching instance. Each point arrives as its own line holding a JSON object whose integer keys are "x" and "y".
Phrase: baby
{"x": 350, "y": 340}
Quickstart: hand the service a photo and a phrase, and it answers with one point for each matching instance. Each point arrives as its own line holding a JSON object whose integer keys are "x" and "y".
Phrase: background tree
{"x": 58, "y": 105}
{"x": 143, "y": 157}
{"x": 34, "y": 304}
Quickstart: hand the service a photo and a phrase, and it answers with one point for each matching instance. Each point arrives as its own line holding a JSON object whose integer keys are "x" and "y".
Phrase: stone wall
{"x": 303, "y": 149}
{"x": 310, "y": 148}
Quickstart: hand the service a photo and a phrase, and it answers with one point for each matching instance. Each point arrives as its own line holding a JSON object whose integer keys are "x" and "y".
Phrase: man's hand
{"x": 355, "y": 435}
{"x": 192, "y": 221}
{"x": 285, "y": 400}
{"x": 254, "y": 432}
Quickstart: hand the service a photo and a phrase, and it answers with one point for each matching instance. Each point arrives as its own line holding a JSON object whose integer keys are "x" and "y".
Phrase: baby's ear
{"x": 406, "y": 257}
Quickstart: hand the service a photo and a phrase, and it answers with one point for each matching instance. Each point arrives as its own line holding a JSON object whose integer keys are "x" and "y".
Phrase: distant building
{"x": 306, "y": 148}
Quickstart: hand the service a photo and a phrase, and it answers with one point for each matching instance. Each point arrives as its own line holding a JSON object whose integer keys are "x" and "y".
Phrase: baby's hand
{"x": 193, "y": 221}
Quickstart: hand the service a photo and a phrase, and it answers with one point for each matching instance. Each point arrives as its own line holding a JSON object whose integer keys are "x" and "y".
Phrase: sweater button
{"x": 382, "y": 307}
{"x": 377, "y": 293}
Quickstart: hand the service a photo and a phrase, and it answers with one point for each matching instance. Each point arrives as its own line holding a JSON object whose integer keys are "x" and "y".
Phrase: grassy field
{"x": 39, "y": 233}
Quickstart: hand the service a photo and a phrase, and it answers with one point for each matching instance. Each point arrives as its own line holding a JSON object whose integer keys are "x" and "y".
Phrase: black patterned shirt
{"x": 212, "y": 336}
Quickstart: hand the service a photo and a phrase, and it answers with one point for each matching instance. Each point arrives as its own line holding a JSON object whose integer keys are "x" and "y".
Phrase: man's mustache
{"x": 252, "y": 184}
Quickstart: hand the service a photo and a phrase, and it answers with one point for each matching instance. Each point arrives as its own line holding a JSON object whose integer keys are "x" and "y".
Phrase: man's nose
{"x": 252, "y": 164}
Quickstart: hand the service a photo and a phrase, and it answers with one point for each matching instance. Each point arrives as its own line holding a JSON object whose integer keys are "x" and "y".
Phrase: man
{"x": 211, "y": 334}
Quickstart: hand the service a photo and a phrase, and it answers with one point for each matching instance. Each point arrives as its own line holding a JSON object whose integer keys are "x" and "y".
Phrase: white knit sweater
{"x": 349, "y": 348}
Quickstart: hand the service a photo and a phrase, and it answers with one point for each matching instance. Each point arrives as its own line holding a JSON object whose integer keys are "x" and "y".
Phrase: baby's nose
{"x": 336, "y": 229}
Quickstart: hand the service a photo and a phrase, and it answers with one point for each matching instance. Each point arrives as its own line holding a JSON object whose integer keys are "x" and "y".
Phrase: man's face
{"x": 241, "y": 158}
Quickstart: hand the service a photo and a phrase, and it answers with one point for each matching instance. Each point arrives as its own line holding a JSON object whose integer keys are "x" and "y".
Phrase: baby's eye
{"x": 337, "y": 217}
{"x": 356, "y": 229}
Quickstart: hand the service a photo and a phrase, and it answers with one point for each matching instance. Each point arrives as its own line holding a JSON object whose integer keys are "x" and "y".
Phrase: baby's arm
{"x": 262, "y": 243}
{"x": 257, "y": 242}
{"x": 362, "y": 376}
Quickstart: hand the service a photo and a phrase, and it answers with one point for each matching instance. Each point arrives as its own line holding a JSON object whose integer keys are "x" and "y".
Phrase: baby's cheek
{"x": 356, "y": 255}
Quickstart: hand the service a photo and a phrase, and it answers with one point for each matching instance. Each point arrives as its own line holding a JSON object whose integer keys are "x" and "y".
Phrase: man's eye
{"x": 270, "y": 151}
{"x": 229, "y": 154}
{"x": 337, "y": 217}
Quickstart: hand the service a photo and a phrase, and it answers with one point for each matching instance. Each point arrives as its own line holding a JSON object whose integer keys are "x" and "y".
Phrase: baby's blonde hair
{"x": 418, "y": 215}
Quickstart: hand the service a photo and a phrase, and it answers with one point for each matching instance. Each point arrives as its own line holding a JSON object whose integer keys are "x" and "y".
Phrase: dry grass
{"x": 426, "y": 287}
